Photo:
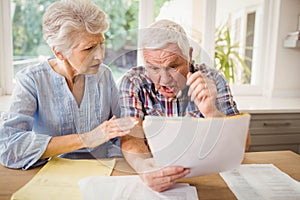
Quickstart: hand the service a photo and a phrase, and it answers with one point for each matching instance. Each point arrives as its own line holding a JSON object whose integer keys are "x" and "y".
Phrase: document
{"x": 205, "y": 145}
{"x": 131, "y": 187}
{"x": 58, "y": 179}
{"x": 261, "y": 182}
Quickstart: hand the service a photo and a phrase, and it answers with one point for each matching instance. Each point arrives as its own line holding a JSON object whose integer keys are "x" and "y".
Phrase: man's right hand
{"x": 160, "y": 179}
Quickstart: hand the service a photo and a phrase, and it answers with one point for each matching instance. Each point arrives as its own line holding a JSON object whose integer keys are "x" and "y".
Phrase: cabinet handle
{"x": 276, "y": 124}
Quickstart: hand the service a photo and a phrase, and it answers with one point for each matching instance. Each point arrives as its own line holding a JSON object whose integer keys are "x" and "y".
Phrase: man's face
{"x": 88, "y": 54}
{"x": 167, "y": 68}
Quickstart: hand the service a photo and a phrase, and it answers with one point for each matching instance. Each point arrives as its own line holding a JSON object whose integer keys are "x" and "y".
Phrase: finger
{"x": 161, "y": 188}
{"x": 113, "y": 118}
{"x": 193, "y": 77}
{"x": 203, "y": 94}
{"x": 198, "y": 91}
{"x": 169, "y": 171}
{"x": 194, "y": 84}
{"x": 121, "y": 125}
{"x": 126, "y": 122}
{"x": 167, "y": 181}
{"x": 117, "y": 134}
{"x": 188, "y": 75}
{"x": 172, "y": 178}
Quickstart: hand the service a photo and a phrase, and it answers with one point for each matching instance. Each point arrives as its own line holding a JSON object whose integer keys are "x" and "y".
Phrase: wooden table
{"x": 208, "y": 187}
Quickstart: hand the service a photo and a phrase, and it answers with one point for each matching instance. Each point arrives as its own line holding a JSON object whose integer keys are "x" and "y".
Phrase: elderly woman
{"x": 65, "y": 106}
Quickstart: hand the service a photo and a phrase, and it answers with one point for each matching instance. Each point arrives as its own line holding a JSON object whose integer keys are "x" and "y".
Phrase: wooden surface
{"x": 208, "y": 187}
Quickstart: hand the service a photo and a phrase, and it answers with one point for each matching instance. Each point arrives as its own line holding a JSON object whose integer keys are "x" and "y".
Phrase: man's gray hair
{"x": 65, "y": 20}
{"x": 164, "y": 32}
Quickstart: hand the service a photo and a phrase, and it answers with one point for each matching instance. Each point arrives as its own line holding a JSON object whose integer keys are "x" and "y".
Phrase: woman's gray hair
{"x": 163, "y": 32}
{"x": 65, "y": 20}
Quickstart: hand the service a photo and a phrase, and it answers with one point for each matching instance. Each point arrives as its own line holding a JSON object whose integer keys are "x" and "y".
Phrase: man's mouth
{"x": 167, "y": 89}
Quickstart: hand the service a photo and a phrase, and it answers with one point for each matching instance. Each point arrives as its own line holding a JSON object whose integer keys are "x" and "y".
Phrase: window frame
{"x": 271, "y": 13}
{"x": 6, "y": 57}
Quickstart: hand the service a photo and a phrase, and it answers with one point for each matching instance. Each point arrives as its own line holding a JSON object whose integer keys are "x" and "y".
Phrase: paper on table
{"x": 206, "y": 146}
{"x": 58, "y": 179}
{"x": 261, "y": 181}
{"x": 130, "y": 187}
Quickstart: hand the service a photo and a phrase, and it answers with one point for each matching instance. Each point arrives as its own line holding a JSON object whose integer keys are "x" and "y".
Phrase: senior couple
{"x": 70, "y": 106}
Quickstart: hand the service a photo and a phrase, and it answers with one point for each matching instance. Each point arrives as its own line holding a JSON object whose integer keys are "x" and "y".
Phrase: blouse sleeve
{"x": 114, "y": 149}
{"x": 20, "y": 146}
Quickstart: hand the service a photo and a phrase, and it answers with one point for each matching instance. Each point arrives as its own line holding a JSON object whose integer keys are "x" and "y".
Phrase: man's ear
{"x": 191, "y": 54}
{"x": 58, "y": 55}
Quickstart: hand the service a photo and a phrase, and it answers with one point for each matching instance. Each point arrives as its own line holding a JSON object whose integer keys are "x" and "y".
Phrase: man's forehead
{"x": 169, "y": 53}
{"x": 171, "y": 48}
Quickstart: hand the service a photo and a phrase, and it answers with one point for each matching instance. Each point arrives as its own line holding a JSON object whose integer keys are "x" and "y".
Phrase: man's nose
{"x": 165, "y": 76}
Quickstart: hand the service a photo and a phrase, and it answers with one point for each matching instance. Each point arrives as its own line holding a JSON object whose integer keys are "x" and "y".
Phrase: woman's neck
{"x": 64, "y": 69}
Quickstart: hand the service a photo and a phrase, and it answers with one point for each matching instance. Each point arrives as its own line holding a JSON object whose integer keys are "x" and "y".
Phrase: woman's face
{"x": 88, "y": 53}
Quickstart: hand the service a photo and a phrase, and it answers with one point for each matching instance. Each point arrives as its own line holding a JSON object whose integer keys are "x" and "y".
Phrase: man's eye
{"x": 173, "y": 67}
{"x": 153, "y": 68}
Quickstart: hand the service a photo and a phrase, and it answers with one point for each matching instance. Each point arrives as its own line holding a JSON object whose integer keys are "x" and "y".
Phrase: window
{"x": 241, "y": 19}
{"x": 29, "y": 46}
{"x": 199, "y": 17}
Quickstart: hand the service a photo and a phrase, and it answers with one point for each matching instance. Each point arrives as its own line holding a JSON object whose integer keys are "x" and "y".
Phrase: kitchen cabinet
{"x": 275, "y": 131}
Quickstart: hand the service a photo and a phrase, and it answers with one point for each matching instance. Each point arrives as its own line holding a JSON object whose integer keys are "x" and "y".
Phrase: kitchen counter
{"x": 250, "y": 104}
{"x": 259, "y": 104}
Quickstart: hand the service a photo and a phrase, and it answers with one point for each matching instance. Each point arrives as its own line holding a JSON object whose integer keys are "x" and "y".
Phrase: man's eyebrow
{"x": 150, "y": 64}
{"x": 174, "y": 62}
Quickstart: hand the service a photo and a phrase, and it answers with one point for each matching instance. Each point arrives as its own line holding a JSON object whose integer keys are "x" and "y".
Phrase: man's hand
{"x": 203, "y": 92}
{"x": 160, "y": 179}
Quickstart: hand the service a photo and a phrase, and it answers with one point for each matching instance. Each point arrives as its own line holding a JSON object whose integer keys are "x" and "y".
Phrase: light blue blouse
{"x": 42, "y": 106}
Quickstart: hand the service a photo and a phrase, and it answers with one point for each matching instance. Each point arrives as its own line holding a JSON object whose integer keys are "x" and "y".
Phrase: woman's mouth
{"x": 95, "y": 66}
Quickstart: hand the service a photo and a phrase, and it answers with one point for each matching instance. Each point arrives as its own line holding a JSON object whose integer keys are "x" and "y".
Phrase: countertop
{"x": 250, "y": 104}
{"x": 259, "y": 104}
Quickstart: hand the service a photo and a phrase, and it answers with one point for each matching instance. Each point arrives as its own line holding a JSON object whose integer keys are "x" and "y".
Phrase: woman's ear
{"x": 58, "y": 55}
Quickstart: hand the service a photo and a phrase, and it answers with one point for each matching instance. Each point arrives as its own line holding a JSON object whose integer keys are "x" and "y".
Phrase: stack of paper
{"x": 131, "y": 187}
{"x": 261, "y": 181}
{"x": 206, "y": 146}
{"x": 58, "y": 179}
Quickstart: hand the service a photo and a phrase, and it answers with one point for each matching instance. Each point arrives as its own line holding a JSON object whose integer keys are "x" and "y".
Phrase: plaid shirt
{"x": 138, "y": 96}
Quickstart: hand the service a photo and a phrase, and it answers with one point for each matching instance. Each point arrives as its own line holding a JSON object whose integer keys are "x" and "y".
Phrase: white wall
{"x": 287, "y": 65}
{"x": 227, "y": 6}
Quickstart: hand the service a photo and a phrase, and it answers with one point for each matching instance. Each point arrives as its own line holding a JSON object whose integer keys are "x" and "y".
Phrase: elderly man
{"x": 165, "y": 86}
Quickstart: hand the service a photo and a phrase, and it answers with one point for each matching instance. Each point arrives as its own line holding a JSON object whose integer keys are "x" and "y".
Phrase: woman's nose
{"x": 99, "y": 52}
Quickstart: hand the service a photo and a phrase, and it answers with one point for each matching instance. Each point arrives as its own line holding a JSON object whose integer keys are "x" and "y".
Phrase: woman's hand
{"x": 108, "y": 130}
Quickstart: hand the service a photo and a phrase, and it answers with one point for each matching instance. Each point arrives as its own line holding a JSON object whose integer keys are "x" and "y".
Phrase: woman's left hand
{"x": 107, "y": 130}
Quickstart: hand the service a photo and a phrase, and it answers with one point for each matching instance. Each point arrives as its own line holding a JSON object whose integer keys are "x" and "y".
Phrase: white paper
{"x": 130, "y": 187}
{"x": 206, "y": 146}
{"x": 261, "y": 181}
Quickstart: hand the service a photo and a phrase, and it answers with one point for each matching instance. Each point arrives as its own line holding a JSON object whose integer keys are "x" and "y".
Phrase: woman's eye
{"x": 88, "y": 49}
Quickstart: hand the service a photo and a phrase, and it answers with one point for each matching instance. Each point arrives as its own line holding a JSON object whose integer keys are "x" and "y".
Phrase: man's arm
{"x": 207, "y": 94}
{"x": 139, "y": 157}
